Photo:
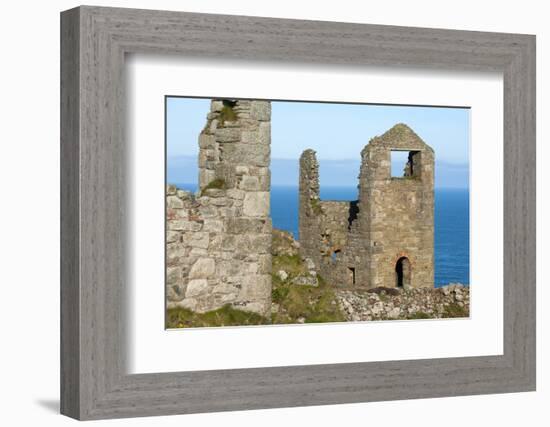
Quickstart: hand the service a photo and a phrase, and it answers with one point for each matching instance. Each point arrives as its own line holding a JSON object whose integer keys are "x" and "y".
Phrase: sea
{"x": 451, "y": 217}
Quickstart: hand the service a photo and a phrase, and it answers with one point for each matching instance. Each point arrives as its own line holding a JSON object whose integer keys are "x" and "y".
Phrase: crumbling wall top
{"x": 309, "y": 174}
{"x": 399, "y": 137}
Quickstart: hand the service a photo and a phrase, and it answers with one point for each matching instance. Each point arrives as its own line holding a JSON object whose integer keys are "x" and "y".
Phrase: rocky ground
{"x": 392, "y": 303}
{"x": 291, "y": 271}
{"x": 300, "y": 295}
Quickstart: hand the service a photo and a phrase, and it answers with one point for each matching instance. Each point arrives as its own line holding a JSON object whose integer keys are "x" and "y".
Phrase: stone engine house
{"x": 386, "y": 238}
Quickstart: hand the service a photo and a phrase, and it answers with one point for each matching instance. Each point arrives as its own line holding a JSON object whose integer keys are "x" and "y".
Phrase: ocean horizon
{"x": 451, "y": 217}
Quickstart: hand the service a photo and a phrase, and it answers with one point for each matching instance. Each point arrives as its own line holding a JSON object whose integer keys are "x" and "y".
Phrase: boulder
{"x": 283, "y": 275}
{"x": 305, "y": 280}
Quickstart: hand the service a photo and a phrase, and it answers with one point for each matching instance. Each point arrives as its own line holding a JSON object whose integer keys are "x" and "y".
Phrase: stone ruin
{"x": 218, "y": 241}
{"x": 386, "y": 238}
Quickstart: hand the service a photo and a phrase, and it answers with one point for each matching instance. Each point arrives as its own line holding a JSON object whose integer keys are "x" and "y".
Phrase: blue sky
{"x": 337, "y": 132}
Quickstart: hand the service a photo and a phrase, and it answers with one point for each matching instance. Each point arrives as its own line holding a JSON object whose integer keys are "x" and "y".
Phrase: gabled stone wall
{"x": 399, "y": 210}
{"x": 360, "y": 243}
{"x": 219, "y": 240}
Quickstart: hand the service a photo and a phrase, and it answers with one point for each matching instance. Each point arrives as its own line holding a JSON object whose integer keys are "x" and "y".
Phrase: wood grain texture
{"x": 94, "y": 270}
{"x": 70, "y": 291}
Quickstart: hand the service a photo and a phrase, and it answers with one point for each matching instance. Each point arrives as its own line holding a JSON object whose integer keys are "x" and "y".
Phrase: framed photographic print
{"x": 262, "y": 213}
{"x": 234, "y": 217}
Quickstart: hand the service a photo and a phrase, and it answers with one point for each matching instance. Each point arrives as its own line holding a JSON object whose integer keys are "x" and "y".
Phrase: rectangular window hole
{"x": 399, "y": 160}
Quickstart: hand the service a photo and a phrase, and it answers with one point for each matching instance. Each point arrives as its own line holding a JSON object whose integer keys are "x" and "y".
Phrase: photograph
{"x": 293, "y": 212}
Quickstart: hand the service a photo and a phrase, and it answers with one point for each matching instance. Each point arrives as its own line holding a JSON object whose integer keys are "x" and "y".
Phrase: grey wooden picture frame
{"x": 94, "y": 41}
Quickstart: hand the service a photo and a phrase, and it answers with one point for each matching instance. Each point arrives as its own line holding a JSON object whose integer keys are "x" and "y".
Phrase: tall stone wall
{"x": 325, "y": 227}
{"x": 235, "y": 146}
{"x": 310, "y": 208}
{"x": 334, "y": 225}
{"x": 219, "y": 240}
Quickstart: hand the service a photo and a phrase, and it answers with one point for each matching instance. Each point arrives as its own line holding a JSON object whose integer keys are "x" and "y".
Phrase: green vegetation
{"x": 316, "y": 206}
{"x": 306, "y": 304}
{"x": 455, "y": 310}
{"x": 294, "y": 303}
{"x": 225, "y": 316}
{"x": 298, "y": 303}
{"x": 227, "y": 113}
{"x": 217, "y": 183}
{"x": 292, "y": 264}
{"x": 283, "y": 243}
{"x": 420, "y": 315}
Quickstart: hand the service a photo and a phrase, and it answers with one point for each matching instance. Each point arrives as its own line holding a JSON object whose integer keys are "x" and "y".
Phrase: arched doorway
{"x": 403, "y": 272}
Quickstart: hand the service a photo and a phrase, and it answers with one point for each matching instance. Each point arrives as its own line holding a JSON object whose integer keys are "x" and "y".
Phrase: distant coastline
{"x": 284, "y": 172}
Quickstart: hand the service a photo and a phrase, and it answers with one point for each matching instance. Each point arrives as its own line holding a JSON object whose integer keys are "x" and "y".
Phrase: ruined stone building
{"x": 218, "y": 241}
{"x": 386, "y": 237}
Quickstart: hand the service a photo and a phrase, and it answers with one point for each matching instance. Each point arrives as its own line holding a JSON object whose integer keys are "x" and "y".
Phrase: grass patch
{"x": 310, "y": 304}
{"x": 282, "y": 242}
{"x": 292, "y": 264}
{"x": 419, "y": 315}
{"x": 225, "y": 316}
{"x": 227, "y": 114}
{"x": 217, "y": 183}
{"x": 454, "y": 310}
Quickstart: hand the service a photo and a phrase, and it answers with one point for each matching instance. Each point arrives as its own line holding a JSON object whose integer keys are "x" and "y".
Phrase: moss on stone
{"x": 217, "y": 183}
{"x": 227, "y": 113}
{"x": 316, "y": 206}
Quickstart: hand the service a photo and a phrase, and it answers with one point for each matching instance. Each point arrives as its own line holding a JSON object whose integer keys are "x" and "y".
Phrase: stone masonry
{"x": 219, "y": 240}
{"x": 386, "y": 238}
